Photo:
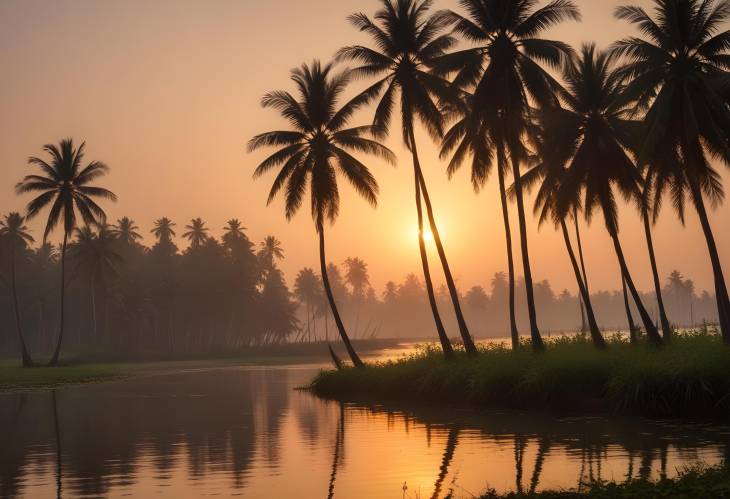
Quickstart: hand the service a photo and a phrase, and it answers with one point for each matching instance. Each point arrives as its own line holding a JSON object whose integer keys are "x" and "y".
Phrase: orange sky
{"x": 167, "y": 91}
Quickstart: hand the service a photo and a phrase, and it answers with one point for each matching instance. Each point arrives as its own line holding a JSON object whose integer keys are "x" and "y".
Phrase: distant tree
{"x": 164, "y": 232}
{"x": 125, "y": 231}
{"x": 308, "y": 290}
{"x": 196, "y": 233}
{"x": 270, "y": 251}
{"x": 233, "y": 232}
{"x": 278, "y": 314}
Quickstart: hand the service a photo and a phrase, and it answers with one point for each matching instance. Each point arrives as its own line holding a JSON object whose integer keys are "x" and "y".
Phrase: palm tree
{"x": 163, "y": 230}
{"x": 314, "y": 150}
{"x": 66, "y": 187}
{"x": 125, "y": 231}
{"x": 356, "y": 275}
{"x": 307, "y": 289}
{"x": 196, "y": 233}
{"x": 594, "y": 142}
{"x": 408, "y": 41}
{"x": 233, "y": 231}
{"x": 503, "y": 71}
{"x": 673, "y": 69}
{"x": 269, "y": 252}
{"x": 15, "y": 233}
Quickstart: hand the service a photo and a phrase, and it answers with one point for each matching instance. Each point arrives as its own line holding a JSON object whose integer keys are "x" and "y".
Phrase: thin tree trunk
{"x": 537, "y": 343}
{"x": 57, "y": 352}
{"x": 583, "y": 268}
{"x": 94, "y": 327}
{"x": 649, "y": 326}
{"x": 514, "y": 333}
{"x": 666, "y": 329}
{"x": 633, "y": 336}
{"x": 466, "y": 338}
{"x": 330, "y": 297}
{"x": 25, "y": 355}
{"x": 596, "y": 335}
{"x": 721, "y": 294}
{"x": 443, "y": 337}
{"x": 59, "y": 453}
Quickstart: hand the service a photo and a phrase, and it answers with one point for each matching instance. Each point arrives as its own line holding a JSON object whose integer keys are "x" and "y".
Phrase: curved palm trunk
{"x": 649, "y": 326}
{"x": 666, "y": 329}
{"x": 451, "y": 441}
{"x": 339, "y": 445}
{"x": 634, "y": 337}
{"x": 596, "y": 335}
{"x": 466, "y": 338}
{"x": 25, "y": 355}
{"x": 537, "y": 343}
{"x": 333, "y": 306}
{"x": 443, "y": 337}
{"x": 57, "y": 351}
{"x": 514, "y": 333}
{"x": 583, "y": 268}
{"x": 721, "y": 294}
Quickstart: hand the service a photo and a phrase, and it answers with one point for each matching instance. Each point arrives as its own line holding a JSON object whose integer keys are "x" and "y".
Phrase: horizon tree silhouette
{"x": 308, "y": 290}
{"x": 233, "y": 232}
{"x": 14, "y": 232}
{"x": 408, "y": 40}
{"x": 676, "y": 70}
{"x": 269, "y": 252}
{"x": 125, "y": 231}
{"x": 314, "y": 150}
{"x": 197, "y": 233}
{"x": 356, "y": 275}
{"x": 66, "y": 186}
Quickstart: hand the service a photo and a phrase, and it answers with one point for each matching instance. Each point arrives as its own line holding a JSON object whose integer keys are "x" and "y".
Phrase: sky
{"x": 167, "y": 93}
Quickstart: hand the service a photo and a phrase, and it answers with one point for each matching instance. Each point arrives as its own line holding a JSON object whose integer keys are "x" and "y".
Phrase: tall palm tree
{"x": 233, "y": 231}
{"x": 356, "y": 275}
{"x": 594, "y": 142}
{"x": 65, "y": 186}
{"x": 504, "y": 72}
{"x": 314, "y": 150}
{"x": 15, "y": 233}
{"x": 673, "y": 68}
{"x": 125, "y": 231}
{"x": 269, "y": 252}
{"x": 408, "y": 40}
{"x": 163, "y": 230}
{"x": 196, "y": 233}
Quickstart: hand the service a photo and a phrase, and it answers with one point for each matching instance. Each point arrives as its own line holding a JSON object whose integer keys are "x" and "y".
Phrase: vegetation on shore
{"x": 689, "y": 377}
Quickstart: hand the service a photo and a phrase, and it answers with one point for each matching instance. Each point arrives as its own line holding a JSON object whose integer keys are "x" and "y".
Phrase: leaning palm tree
{"x": 408, "y": 41}
{"x": 503, "y": 71}
{"x": 196, "y": 233}
{"x": 673, "y": 69}
{"x": 125, "y": 231}
{"x": 594, "y": 142}
{"x": 314, "y": 150}
{"x": 16, "y": 235}
{"x": 66, "y": 188}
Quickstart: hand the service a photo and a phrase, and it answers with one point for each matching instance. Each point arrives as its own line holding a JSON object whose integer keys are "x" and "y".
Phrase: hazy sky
{"x": 167, "y": 93}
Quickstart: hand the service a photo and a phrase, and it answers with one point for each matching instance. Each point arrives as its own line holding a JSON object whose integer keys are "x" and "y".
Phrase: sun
{"x": 427, "y": 235}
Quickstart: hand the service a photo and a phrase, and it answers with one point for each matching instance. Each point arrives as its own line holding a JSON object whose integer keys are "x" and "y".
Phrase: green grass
{"x": 697, "y": 483}
{"x": 15, "y": 377}
{"x": 689, "y": 377}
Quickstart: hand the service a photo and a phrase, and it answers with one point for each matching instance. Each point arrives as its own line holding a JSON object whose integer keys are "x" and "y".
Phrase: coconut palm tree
{"x": 233, "y": 231}
{"x": 163, "y": 230}
{"x": 673, "y": 69}
{"x": 65, "y": 186}
{"x": 356, "y": 275}
{"x": 269, "y": 252}
{"x": 314, "y": 150}
{"x": 308, "y": 290}
{"x": 16, "y": 235}
{"x": 408, "y": 39}
{"x": 594, "y": 143}
{"x": 125, "y": 231}
{"x": 502, "y": 68}
{"x": 196, "y": 233}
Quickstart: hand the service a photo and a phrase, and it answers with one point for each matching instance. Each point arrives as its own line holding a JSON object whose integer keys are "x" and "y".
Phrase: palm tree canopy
{"x": 12, "y": 227}
{"x": 196, "y": 233}
{"x": 308, "y": 286}
{"x": 271, "y": 250}
{"x": 163, "y": 229}
{"x": 65, "y": 185}
{"x": 356, "y": 274}
{"x": 125, "y": 230}
{"x": 318, "y": 145}
{"x": 677, "y": 70}
{"x": 95, "y": 251}
{"x": 408, "y": 39}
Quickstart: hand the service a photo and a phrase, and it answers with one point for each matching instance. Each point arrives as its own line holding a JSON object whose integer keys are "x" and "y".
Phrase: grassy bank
{"x": 691, "y": 484}
{"x": 691, "y": 377}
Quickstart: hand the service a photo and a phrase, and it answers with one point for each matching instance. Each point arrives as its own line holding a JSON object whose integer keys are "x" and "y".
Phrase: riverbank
{"x": 690, "y": 377}
{"x": 695, "y": 483}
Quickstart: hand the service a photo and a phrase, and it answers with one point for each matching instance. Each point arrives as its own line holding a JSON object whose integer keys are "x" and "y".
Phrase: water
{"x": 246, "y": 432}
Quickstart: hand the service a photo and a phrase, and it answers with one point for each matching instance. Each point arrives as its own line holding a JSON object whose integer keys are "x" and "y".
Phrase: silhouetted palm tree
{"x": 66, "y": 188}
{"x": 16, "y": 235}
{"x": 196, "y": 233}
{"x": 308, "y": 290}
{"x": 125, "y": 231}
{"x": 408, "y": 40}
{"x": 314, "y": 151}
{"x": 504, "y": 73}
{"x": 233, "y": 232}
{"x": 163, "y": 230}
{"x": 269, "y": 252}
{"x": 593, "y": 141}
{"x": 356, "y": 275}
{"x": 673, "y": 70}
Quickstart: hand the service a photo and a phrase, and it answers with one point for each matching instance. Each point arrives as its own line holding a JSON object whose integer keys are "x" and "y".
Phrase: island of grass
{"x": 689, "y": 377}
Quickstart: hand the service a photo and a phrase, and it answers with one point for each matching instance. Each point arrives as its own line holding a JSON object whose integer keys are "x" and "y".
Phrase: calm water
{"x": 247, "y": 432}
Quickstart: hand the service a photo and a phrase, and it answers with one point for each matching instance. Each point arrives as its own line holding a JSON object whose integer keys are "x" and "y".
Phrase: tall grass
{"x": 689, "y": 377}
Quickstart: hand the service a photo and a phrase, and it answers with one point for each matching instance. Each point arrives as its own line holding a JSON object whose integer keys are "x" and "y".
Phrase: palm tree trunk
{"x": 721, "y": 294}
{"x": 451, "y": 442}
{"x": 537, "y": 343}
{"x": 57, "y": 351}
{"x": 466, "y": 338}
{"x": 666, "y": 329}
{"x": 596, "y": 335}
{"x": 25, "y": 355}
{"x": 443, "y": 337}
{"x": 330, "y": 297}
{"x": 514, "y": 333}
{"x": 94, "y": 327}
{"x": 649, "y": 326}
{"x": 583, "y": 268}
{"x": 633, "y": 336}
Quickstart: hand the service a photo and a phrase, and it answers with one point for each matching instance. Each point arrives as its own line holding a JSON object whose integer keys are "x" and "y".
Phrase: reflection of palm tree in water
{"x": 58, "y": 445}
{"x": 339, "y": 449}
{"x": 542, "y": 450}
{"x": 520, "y": 444}
{"x": 451, "y": 442}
